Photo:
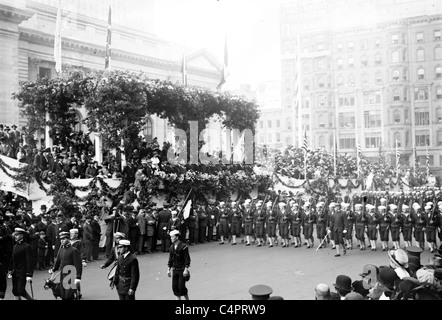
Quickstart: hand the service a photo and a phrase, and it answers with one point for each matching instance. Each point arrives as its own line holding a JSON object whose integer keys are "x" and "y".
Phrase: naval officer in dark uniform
{"x": 127, "y": 274}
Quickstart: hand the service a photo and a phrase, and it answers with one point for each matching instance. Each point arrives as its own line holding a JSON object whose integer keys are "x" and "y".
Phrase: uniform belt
{"x": 123, "y": 279}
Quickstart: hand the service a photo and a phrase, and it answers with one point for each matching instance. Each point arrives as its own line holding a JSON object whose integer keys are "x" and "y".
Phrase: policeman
{"x": 260, "y": 292}
{"x": 21, "y": 267}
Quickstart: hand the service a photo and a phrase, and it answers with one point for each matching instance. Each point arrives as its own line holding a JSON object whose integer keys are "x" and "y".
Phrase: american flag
{"x": 358, "y": 158}
{"x": 224, "y": 73}
{"x": 398, "y": 157}
{"x": 428, "y": 162}
{"x": 305, "y": 143}
{"x": 416, "y": 161}
{"x": 107, "y": 58}
{"x": 57, "y": 39}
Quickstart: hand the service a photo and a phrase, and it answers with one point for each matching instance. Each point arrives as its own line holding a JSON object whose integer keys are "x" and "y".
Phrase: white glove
{"x": 51, "y": 271}
{"x": 345, "y": 231}
{"x": 29, "y": 279}
{"x": 77, "y": 281}
{"x": 84, "y": 264}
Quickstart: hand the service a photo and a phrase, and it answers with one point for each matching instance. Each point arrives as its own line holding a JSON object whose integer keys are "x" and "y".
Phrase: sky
{"x": 251, "y": 26}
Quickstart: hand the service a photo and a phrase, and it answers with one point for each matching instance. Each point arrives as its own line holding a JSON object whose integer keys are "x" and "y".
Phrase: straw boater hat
{"x": 398, "y": 258}
{"x": 125, "y": 243}
{"x": 382, "y": 208}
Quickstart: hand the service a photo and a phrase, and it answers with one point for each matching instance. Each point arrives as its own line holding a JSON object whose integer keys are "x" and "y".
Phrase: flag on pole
{"x": 428, "y": 162}
{"x": 335, "y": 154}
{"x": 184, "y": 68}
{"x": 188, "y": 205}
{"x": 107, "y": 59}
{"x": 224, "y": 73}
{"x": 416, "y": 162}
{"x": 57, "y": 39}
{"x": 305, "y": 149}
{"x": 358, "y": 158}
{"x": 398, "y": 157}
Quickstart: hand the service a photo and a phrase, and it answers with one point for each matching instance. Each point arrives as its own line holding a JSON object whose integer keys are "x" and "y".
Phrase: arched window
{"x": 421, "y": 73}
{"x": 420, "y": 55}
{"x": 395, "y": 56}
{"x": 437, "y": 53}
{"x": 396, "y": 75}
{"x": 148, "y": 130}
{"x": 321, "y": 82}
{"x": 78, "y": 118}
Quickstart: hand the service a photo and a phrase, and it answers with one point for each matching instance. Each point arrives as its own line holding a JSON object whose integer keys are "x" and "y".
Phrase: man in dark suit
{"x": 163, "y": 219}
{"x": 127, "y": 274}
{"x": 67, "y": 258}
{"x": 337, "y": 224}
{"x": 21, "y": 266}
{"x": 96, "y": 233}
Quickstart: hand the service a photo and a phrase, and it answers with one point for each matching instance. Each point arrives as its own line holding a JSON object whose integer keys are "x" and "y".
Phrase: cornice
{"x": 14, "y": 15}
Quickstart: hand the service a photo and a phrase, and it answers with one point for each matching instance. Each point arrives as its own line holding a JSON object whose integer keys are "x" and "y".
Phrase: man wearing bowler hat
{"x": 21, "y": 267}
{"x": 337, "y": 228}
{"x": 343, "y": 285}
{"x": 179, "y": 264}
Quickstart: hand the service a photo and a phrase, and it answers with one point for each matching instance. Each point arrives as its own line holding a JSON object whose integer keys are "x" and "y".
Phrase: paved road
{"x": 226, "y": 272}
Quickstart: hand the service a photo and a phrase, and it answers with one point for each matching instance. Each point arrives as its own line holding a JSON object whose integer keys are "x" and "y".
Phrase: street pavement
{"x": 226, "y": 272}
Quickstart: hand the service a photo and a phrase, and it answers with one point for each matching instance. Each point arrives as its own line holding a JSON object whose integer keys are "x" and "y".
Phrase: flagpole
{"x": 185, "y": 200}
{"x": 335, "y": 153}
{"x": 397, "y": 158}
{"x": 57, "y": 40}
{"x": 107, "y": 59}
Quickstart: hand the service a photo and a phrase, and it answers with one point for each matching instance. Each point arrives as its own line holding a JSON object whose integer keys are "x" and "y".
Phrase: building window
{"x": 439, "y": 115}
{"x": 269, "y": 138}
{"x": 278, "y": 137}
{"x": 377, "y": 59}
{"x": 396, "y": 75}
{"x": 306, "y": 85}
{"x": 340, "y": 81}
{"x": 378, "y": 77}
{"x": 438, "y": 53}
{"x": 339, "y": 47}
{"x": 148, "y": 131}
{"x": 269, "y": 124}
{"x": 364, "y": 78}
{"x": 322, "y": 100}
{"x": 396, "y": 94}
{"x": 395, "y": 38}
{"x": 346, "y": 120}
{"x": 420, "y": 55}
{"x": 321, "y": 140}
{"x": 346, "y": 101}
{"x": 364, "y": 61}
{"x": 405, "y": 94}
{"x": 351, "y": 62}
{"x": 439, "y": 93}
{"x": 321, "y": 121}
{"x": 351, "y": 80}
{"x": 438, "y": 72}
{"x": 278, "y": 123}
{"x": 397, "y": 117}
{"x": 422, "y": 118}
{"x": 347, "y": 142}
{"x": 421, "y": 74}
{"x": 395, "y": 56}
{"x": 261, "y": 124}
{"x": 439, "y": 138}
{"x": 364, "y": 45}
{"x": 422, "y": 139}
{"x": 397, "y": 137}
{"x": 377, "y": 43}
{"x": 350, "y": 46}
{"x": 262, "y": 138}
{"x": 321, "y": 82}
{"x": 340, "y": 63}
{"x": 372, "y": 97}
{"x": 407, "y": 138}
{"x": 419, "y": 37}
{"x": 44, "y": 73}
{"x": 372, "y": 140}
{"x": 437, "y": 35}
{"x": 321, "y": 65}
{"x": 305, "y": 122}
{"x": 372, "y": 118}
{"x": 406, "y": 115}
{"x": 289, "y": 124}
{"x": 421, "y": 94}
